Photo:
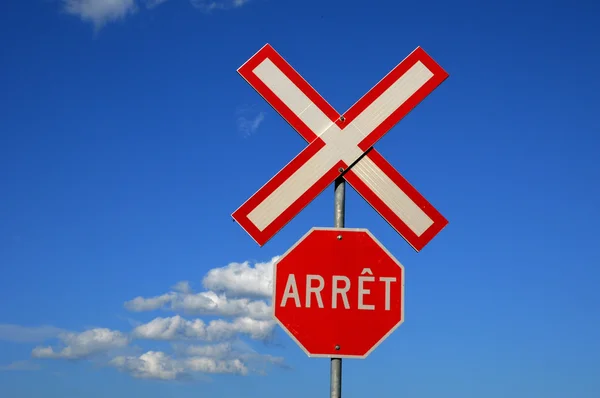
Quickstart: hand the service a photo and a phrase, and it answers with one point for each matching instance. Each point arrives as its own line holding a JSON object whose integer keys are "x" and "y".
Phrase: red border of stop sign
{"x": 338, "y": 292}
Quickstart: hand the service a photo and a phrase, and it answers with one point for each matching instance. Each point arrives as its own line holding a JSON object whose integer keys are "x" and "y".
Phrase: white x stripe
{"x": 340, "y": 144}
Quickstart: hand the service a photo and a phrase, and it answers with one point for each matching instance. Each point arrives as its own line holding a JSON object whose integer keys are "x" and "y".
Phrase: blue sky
{"x": 127, "y": 139}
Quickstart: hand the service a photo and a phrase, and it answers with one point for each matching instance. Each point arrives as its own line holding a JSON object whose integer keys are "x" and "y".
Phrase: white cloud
{"x": 151, "y": 365}
{"x": 212, "y": 365}
{"x": 24, "y": 334}
{"x": 236, "y": 350}
{"x": 20, "y": 365}
{"x": 178, "y": 328}
{"x": 158, "y": 365}
{"x": 210, "y": 5}
{"x": 205, "y": 303}
{"x": 183, "y": 287}
{"x": 235, "y": 290}
{"x": 99, "y": 12}
{"x": 210, "y": 303}
{"x": 82, "y": 345}
{"x": 241, "y": 279}
{"x": 247, "y": 125}
{"x": 140, "y": 304}
{"x": 220, "y": 350}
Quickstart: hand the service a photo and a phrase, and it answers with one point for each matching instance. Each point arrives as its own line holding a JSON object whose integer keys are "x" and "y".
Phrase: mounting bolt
{"x": 342, "y": 118}
{"x": 341, "y": 169}
{"x": 339, "y": 237}
{"x": 337, "y": 347}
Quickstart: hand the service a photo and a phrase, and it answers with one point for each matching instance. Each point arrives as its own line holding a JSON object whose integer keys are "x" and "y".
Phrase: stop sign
{"x": 338, "y": 292}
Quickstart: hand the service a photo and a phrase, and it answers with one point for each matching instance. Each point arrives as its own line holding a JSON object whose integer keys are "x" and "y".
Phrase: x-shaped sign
{"x": 341, "y": 145}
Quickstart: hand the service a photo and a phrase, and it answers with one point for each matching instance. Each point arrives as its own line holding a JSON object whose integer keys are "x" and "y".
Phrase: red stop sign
{"x": 338, "y": 292}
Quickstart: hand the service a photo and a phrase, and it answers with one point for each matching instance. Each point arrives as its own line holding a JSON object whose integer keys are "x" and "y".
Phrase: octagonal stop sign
{"x": 338, "y": 292}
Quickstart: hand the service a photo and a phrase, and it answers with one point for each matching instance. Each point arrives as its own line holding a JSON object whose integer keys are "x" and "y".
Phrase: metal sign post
{"x": 339, "y": 213}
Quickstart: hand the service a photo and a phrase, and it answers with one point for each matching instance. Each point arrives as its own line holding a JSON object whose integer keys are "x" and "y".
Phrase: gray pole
{"x": 339, "y": 220}
{"x": 340, "y": 202}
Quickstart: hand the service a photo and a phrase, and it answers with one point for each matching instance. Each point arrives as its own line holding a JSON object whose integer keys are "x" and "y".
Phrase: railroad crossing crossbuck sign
{"x": 341, "y": 145}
